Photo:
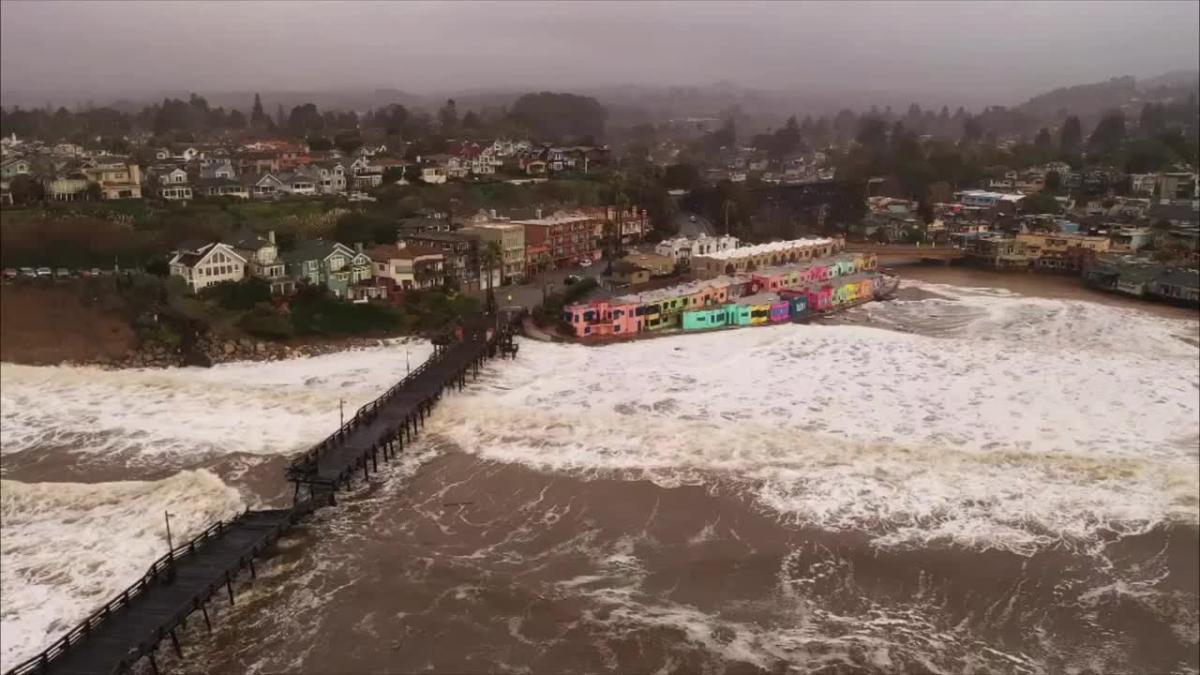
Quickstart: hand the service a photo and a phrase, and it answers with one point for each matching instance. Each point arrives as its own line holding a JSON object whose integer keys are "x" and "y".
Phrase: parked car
{"x": 585, "y": 263}
{"x": 28, "y": 272}
{"x": 95, "y": 271}
{"x": 10, "y": 273}
{"x": 62, "y": 273}
{"x": 44, "y": 272}
{"x": 572, "y": 279}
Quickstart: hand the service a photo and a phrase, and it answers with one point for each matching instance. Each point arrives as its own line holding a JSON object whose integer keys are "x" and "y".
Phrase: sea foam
{"x": 1016, "y": 424}
{"x": 159, "y": 414}
{"x": 70, "y": 547}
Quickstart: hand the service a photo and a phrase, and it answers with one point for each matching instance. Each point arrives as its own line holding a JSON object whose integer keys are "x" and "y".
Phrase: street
{"x": 529, "y": 295}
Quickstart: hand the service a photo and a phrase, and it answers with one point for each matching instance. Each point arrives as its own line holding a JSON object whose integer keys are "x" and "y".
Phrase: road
{"x": 529, "y": 295}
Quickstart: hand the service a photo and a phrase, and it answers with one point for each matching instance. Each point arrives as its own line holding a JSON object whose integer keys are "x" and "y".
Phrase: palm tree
{"x": 728, "y": 206}
{"x": 619, "y": 199}
{"x": 489, "y": 259}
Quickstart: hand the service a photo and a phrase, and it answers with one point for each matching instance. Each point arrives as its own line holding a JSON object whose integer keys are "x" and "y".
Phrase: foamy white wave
{"x": 995, "y": 314}
{"x": 805, "y": 635}
{"x": 256, "y": 407}
{"x": 1030, "y": 422}
{"x": 69, "y": 547}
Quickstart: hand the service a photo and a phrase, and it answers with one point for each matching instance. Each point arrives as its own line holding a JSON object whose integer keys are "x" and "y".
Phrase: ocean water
{"x": 67, "y": 545}
{"x": 974, "y": 481}
{"x": 997, "y": 422}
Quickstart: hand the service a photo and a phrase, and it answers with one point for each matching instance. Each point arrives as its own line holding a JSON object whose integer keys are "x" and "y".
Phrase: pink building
{"x": 820, "y": 298}
{"x": 780, "y": 311}
{"x": 601, "y": 317}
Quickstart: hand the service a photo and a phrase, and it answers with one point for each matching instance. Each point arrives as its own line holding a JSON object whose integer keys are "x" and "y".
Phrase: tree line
{"x": 550, "y": 116}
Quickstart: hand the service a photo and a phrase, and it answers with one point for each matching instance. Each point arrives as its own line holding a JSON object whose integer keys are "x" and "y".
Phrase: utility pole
{"x": 170, "y": 545}
{"x": 342, "y": 412}
{"x": 407, "y": 364}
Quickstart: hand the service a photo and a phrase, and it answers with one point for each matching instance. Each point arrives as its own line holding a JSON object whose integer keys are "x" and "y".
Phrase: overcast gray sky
{"x": 980, "y": 48}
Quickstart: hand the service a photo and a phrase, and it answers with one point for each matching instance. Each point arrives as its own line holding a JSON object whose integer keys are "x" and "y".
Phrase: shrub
{"x": 328, "y": 316}
{"x": 435, "y": 310}
{"x": 264, "y": 322}
{"x": 238, "y": 295}
{"x": 550, "y": 312}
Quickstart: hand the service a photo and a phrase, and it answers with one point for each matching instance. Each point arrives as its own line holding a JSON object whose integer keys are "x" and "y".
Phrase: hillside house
{"x": 408, "y": 267}
{"x": 117, "y": 178}
{"x": 203, "y": 266}
{"x": 328, "y": 263}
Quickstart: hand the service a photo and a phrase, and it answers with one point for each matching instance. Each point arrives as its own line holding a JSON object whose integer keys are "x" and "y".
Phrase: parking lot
{"x": 11, "y": 274}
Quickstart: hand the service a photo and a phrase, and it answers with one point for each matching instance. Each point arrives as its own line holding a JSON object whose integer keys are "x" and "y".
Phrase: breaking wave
{"x": 1016, "y": 424}
{"x": 69, "y": 547}
{"x": 252, "y": 407}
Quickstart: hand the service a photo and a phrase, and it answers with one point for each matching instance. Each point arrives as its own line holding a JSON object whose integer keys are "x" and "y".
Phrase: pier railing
{"x": 162, "y": 566}
{"x": 163, "y": 570}
{"x": 310, "y": 457}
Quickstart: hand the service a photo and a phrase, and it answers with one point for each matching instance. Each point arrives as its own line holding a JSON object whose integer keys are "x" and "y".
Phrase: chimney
{"x": 358, "y": 247}
{"x": 492, "y": 213}
{"x": 537, "y": 214}
{"x": 271, "y": 236}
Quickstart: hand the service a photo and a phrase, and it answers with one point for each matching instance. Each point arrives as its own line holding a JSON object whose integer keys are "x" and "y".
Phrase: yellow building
{"x": 118, "y": 179}
{"x": 1057, "y": 250}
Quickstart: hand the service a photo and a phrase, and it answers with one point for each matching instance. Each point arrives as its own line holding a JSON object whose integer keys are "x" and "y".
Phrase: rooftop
{"x": 557, "y": 218}
{"x": 689, "y": 288}
{"x": 773, "y": 247}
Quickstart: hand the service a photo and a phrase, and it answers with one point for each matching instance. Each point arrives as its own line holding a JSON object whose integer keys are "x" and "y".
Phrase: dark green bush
{"x": 238, "y": 295}
{"x": 267, "y": 323}
{"x": 330, "y": 316}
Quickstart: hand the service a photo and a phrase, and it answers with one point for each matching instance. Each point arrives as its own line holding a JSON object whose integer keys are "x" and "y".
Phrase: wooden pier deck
{"x": 131, "y": 626}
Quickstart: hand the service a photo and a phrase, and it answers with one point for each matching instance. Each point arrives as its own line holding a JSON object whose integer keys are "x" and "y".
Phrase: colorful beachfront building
{"x": 770, "y": 295}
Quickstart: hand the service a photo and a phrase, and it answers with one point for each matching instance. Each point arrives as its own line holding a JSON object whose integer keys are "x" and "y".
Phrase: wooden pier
{"x": 132, "y": 626}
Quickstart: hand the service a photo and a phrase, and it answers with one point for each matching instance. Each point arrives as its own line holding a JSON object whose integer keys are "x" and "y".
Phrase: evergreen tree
{"x": 1109, "y": 134}
{"x": 257, "y": 116}
{"x": 1043, "y": 140}
{"x": 448, "y": 117}
{"x": 1071, "y": 135}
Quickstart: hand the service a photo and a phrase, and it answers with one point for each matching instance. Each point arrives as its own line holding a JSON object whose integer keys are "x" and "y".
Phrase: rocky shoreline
{"x": 210, "y": 351}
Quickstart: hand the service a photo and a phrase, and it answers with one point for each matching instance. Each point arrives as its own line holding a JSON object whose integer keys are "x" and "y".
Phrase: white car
{"x": 585, "y": 263}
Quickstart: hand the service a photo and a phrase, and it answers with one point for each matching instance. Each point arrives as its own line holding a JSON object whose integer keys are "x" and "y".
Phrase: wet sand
{"x": 1040, "y": 285}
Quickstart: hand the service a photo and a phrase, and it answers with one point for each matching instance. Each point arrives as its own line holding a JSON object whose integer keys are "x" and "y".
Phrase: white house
{"x": 683, "y": 248}
{"x": 1142, "y": 183}
{"x": 173, "y": 192}
{"x": 331, "y": 177}
{"x": 986, "y": 199}
{"x": 298, "y": 183}
{"x": 265, "y": 186}
{"x": 264, "y": 262}
{"x": 433, "y": 174}
{"x": 14, "y": 167}
{"x": 207, "y": 265}
{"x": 174, "y": 176}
